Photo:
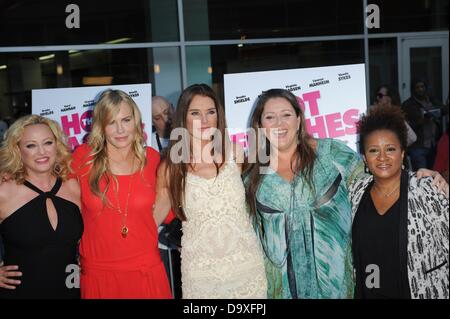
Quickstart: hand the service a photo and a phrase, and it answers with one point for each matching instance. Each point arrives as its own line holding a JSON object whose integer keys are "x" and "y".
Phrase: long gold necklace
{"x": 124, "y": 230}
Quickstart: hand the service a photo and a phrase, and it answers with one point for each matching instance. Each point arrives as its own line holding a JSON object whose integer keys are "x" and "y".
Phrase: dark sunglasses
{"x": 380, "y": 95}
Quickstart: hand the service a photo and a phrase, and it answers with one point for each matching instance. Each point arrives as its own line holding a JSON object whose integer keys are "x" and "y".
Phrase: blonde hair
{"x": 11, "y": 165}
{"x": 107, "y": 107}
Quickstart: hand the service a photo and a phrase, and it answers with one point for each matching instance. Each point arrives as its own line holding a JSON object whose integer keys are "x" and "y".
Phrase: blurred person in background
{"x": 424, "y": 114}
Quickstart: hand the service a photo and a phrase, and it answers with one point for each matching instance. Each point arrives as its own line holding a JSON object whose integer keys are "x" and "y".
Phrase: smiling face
{"x": 120, "y": 132}
{"x": 383, "y": 154}
{"x": 281, "y": 123}
{"x": 201, "y": 118}
{"x": 38, "y": 149}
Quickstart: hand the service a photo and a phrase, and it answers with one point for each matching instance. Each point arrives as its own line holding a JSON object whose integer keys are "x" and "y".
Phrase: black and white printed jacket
{"x": 426, "y": 233}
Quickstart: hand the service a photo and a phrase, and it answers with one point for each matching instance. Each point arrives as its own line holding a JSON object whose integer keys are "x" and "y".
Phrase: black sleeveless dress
{"x": 46, "y": 257}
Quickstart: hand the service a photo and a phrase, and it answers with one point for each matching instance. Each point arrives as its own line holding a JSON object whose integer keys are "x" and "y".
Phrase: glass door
{"x": 425, "y": 58}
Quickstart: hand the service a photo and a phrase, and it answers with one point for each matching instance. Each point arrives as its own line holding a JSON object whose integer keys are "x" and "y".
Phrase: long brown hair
{"x": 107, "y": 107}
{"x": 177, "y": 171}
{"x": 305, "y": 155}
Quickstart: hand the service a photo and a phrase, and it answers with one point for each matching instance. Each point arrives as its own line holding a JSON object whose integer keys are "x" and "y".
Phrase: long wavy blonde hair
{"x": 107, "y": 107}
{"x": 11, "y": 165}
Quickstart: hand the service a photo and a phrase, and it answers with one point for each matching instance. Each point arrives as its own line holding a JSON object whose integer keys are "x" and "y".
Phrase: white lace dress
{"x": 221, "y": 255}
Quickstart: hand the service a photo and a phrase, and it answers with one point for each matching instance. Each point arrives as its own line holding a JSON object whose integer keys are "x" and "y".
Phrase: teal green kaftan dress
{"x": 306, "y": 233}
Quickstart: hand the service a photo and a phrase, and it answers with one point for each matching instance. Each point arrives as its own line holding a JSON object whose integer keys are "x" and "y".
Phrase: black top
{"x": 377, "y": 238}
{"x": 42, "y": 253}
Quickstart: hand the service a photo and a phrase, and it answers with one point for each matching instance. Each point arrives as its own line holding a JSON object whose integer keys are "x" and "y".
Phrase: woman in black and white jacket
{"x": 400, "y": 234}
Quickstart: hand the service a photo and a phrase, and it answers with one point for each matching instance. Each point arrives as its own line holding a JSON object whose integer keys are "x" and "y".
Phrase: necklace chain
{"x": 124, "y": 230}
{"x": 389, "y": 193}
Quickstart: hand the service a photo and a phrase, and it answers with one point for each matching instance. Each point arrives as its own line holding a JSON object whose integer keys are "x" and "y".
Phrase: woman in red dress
{"x": 119, "y": 253}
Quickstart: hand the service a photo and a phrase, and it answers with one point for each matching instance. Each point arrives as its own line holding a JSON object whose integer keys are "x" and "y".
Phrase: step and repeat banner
{"x": 333, "y": 99}
{"x": 72, "y": 107}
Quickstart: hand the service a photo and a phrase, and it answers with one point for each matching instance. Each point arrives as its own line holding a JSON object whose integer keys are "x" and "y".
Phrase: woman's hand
{"x": 8, "y": 272}
{"x": 438, "y": 180}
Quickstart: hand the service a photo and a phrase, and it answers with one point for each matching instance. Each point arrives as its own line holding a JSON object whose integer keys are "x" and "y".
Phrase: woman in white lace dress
{"x": 221, "y": 256}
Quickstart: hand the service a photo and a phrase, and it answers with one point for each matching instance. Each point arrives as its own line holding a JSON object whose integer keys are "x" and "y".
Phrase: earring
{"x": 403, "y": 166}
{"x": 366, "y": 169}
{"x": 57, "y": 168}
{"x": 21, "y": 167}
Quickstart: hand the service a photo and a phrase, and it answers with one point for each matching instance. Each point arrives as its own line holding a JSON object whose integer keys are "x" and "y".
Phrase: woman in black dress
{"x": 40, "y": 220}
{"x": 401, "y": 224}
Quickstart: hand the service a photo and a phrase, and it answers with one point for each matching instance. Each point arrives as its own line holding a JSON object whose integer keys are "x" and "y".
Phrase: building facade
{"x": 175, "y": 43}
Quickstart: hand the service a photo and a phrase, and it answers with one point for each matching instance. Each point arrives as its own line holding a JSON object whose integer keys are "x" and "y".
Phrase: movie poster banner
{"x": 332, "y": 98}
{"x": 72, "y": 107}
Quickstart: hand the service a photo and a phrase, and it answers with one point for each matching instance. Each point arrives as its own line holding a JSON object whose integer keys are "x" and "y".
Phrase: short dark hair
{"x": 381, "y": 117}
{"x": 415, "y": 81}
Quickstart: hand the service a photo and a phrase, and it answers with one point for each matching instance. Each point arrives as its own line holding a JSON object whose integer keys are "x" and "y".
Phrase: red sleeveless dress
{"x": 113, "y": 266}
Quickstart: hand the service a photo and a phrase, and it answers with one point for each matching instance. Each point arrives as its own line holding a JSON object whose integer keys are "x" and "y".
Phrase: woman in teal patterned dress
{"x": 298, "y": 196}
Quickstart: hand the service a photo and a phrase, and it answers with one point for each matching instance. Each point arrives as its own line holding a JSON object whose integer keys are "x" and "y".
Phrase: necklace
{"x": 124, "y": 230}
{"x": 386, "y": 194}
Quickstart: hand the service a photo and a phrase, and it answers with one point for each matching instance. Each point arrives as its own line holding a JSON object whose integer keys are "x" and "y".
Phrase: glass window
{"x": 24, "y": 23}
{"x": 426, "y": 64}
{"x": 22, "y": 72}
{"x": 383, "y": 66}
{"x": 198, "y": 65}
{"x": 224, "y": 59}
{"x": 412, "y": 15}
{"x": 247, "y": 19}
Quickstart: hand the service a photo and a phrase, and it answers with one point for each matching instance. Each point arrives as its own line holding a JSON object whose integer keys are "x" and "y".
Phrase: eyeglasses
{"x": 380, "y": 95}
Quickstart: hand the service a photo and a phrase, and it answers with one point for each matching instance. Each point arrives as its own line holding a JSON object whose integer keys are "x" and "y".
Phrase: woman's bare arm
{"x": 162, "y": 203}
